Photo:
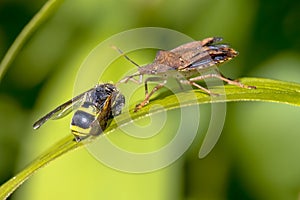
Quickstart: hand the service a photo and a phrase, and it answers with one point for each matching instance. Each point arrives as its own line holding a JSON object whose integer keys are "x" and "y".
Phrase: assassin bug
{"x": 95, "y": 109}
{"x": 185, "y": 63}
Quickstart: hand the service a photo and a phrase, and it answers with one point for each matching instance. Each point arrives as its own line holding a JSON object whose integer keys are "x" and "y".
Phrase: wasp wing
{"x": 62, "y": 110}
{"x": 106, "y": 113}
{"x": 118, "y": 102}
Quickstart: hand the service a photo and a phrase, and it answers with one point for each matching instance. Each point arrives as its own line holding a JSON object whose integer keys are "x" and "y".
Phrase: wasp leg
{"x": 219, "y": 76}
{"x": 148, "y": 95}
{"x": 79, "y": 138}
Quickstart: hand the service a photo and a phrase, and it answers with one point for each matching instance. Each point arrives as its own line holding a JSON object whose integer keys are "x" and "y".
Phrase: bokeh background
{"x": 257, "y": 156}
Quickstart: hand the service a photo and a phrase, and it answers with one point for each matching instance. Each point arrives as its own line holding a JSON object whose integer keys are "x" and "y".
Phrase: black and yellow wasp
{"x": 94, "y": 110}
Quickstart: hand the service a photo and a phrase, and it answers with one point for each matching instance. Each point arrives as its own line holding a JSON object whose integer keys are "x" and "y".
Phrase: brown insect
{"x": 185, "y": 63}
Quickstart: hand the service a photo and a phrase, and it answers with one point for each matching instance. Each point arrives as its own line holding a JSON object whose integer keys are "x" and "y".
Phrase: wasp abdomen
{"x": 82, "y": 119}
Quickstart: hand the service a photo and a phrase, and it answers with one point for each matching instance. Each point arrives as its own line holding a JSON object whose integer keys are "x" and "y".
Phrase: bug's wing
{"x": 193, "y": 46}
{"x": 61, "y": 110}
{"x": 187, "y": 47}
{"x": 196, "y": 54}
{"x": 209, "y": 56}
{"x": 201, "y": 61}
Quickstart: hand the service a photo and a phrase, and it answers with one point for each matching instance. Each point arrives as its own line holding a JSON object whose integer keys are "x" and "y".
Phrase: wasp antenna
{"x": 123, "y": 54}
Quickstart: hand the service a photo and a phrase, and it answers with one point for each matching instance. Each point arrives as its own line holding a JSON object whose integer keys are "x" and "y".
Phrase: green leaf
{"x": 267, "y": 91}
{"x": 27, "y": 31}
{"x": 65, "y": 145}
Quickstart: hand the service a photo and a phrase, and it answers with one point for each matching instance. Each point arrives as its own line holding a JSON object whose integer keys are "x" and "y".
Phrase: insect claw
{"x": 77, "y": 138}
{"x": 239, "y": 84}
{"x": 214, "y": 94}
{"x": 251, "y": 87}
{"x": 138, "y": 107}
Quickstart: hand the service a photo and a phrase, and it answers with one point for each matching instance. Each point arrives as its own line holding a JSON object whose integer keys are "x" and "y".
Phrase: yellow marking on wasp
{"x": 76, "y": 130}
{"x": 90, "y": 110}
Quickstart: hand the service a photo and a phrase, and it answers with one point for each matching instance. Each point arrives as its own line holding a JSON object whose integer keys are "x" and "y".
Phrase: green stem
{"x": 27, "y": 31}
{"x": 65, "y": 145}
{"x": 267, "y": 91}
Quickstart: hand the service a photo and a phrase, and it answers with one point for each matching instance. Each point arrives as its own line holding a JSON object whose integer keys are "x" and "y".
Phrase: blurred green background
{"x": 257, "y": 156}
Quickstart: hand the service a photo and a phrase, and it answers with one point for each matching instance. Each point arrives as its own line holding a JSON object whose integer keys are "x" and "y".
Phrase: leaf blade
{"x": 267, "y": 91}
{"x": 43, "y": 14}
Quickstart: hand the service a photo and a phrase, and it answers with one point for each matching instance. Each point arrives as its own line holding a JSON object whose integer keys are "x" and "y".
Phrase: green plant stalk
{"x": 43, "y": 14}
{"x": 65, "y": 145}
{"x": 267, "y": 91}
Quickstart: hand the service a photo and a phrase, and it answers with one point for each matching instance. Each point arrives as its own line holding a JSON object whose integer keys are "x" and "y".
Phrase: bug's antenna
{"x": 123, "y": 54}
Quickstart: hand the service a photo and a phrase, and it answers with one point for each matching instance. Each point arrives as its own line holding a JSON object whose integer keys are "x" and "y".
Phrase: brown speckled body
{"x": 188, "y": 60}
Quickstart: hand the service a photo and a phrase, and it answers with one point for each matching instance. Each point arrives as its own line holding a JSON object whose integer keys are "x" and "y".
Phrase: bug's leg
{"x": 219, "y": 76}
{"x": 188, "y": 82}
{"x": 148, "y": 95}
{"x": 152, "y": 79}
{"x": 129, "y": 78}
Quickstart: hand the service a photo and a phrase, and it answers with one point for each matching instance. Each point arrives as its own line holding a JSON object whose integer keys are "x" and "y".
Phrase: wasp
{"x": 187, "y": 64}
{"x": 94, "y": 110}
